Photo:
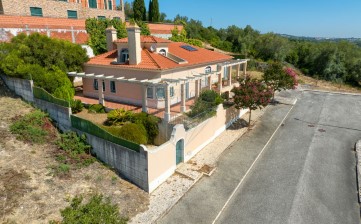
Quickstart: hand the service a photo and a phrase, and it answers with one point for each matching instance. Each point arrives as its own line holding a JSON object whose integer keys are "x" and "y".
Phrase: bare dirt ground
{"x": 29, "y": 193}
{"x": 315, "y": 84}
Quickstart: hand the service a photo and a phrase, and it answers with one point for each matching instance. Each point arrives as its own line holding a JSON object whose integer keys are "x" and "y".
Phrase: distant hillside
{"x": 316, "y": 39}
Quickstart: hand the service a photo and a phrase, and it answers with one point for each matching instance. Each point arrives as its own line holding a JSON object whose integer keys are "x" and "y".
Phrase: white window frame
{"x": 122, "y": 52}
{"x": 171, "y": 91}
{"x": 163, "y": 52}
{"x": 208, "y": 70}
{"x": 150, "y": 96}
{"x": 162, "y": 97}
{"x": 95, "y": 84}
{"x": 113, "y": 84}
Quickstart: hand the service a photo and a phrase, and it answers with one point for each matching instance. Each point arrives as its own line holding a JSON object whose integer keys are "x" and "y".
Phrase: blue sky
{"x": 316, "y": 18}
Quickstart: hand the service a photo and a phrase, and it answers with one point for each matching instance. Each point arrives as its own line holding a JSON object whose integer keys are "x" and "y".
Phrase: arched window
{"x": 124, "y": 55}
{"x": 208, "y": 70}
{"x": 163, "y": 52}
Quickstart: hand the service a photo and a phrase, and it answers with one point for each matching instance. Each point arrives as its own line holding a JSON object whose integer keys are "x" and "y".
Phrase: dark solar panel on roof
{"x": 188, "y": 48}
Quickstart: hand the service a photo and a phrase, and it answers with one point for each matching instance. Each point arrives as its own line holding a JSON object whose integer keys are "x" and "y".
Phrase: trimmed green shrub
{"x": 132, "y": 132}
{"x": 119, "y": 117}
{"x": 96, "y": 210}
{"x": 150, "y": 123}
{"x": 32, "y": 127}
{"x": 76, "y": 106}
{"x": 101, "y": 132}
{"x": 211, "y": 96}
{"x": 96, "y": 108}
{"x": 205, "y": 104}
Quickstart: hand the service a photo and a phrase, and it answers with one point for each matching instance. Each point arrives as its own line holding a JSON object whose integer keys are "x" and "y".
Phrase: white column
{"x": 230, "y": 75}
{"x": 245, "y": 69}
{"x": 197, "y": 88}
{"x": 167, "y": 104}
{"x": 144, "y": 99}
{"x": 210, "y": 82}
{"x": 183, "y": 98}
{"x": 100, "y": 92}
{"x": 220, "y": 83}
{"x": 238, "y": 68}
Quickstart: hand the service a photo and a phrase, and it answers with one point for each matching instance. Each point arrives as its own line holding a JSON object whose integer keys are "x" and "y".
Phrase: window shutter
{"x": 36, "y": 11}
{"x": 72, "y": 14}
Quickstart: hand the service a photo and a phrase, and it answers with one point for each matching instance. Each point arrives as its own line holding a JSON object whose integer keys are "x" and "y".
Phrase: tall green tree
{"x": 278, "y": 78}
{"x": 44, "y": 60}
{"x": 154, "y": 14}
{"x": 96, "y": 30}
{"x": 271, "y": 46}
{"x": 128, "y": 10}
{"x": 150, "y": 11}
{"x": 144, "y": 28}
{"x": 140, "y": 13}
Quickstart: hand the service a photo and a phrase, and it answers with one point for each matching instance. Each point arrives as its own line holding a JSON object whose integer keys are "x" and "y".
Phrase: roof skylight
{"x": 188, "y": 48}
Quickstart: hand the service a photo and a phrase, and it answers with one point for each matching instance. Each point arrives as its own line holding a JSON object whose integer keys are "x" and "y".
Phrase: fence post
{"x": 27, "y": 30}
{"x": 73, "y": 40}
{"x": 48, "y": 31}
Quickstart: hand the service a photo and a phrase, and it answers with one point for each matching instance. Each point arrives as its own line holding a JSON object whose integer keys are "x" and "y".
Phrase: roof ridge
{"x": 154, "y": 61}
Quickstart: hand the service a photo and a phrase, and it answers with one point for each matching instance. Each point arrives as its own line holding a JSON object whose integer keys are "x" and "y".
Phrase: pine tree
{"x": 140, "y": 13}
{"x": 155, "y": 9}
{"x": 150, "y": 11}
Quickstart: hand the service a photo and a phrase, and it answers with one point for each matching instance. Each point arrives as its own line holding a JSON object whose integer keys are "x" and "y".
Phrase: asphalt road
{"x": 306, "y": 174}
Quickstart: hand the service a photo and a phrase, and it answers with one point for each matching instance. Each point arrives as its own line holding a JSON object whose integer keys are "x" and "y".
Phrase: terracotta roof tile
{"x": 40, "y": 22}
{"x": 155, "y": 61}
{"x": 145, "y": 39}
{"x": 157, "y": 28}
{"x": 163, "y": 28}
{"x": 59, "y": 28}
{"x": 108, "y": 57}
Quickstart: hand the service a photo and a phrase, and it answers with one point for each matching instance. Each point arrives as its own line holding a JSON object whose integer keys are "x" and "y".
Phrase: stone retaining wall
{"x": 60, "y": 114}
{"x": 129, "y": 164}
{"x": 21, "y": 87}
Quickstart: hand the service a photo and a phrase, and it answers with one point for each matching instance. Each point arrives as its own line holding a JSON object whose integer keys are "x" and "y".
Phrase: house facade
{"x": 72, "y": 9}
{"x": 155, "y": 73}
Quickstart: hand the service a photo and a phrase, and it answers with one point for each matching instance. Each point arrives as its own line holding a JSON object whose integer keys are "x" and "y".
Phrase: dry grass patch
{"x": 315, "y": 84}
{"x": 32, "y": 194}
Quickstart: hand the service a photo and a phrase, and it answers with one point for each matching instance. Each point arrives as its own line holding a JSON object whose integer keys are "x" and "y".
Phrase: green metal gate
{"x": 179, "y": 151}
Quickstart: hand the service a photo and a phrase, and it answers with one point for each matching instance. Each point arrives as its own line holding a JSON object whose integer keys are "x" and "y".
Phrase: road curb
{"x": 323, "y": 91}
{"x": 358, "y": 168}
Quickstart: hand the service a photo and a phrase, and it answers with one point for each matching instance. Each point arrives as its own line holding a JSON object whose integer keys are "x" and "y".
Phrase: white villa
{"x": 155, "y": 73}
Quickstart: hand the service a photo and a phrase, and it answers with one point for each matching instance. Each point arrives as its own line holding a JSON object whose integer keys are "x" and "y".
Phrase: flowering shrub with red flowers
{"x": 279, "y": 79}
{"x": 293, "y": 74}
{"x": 251, "y": 94}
